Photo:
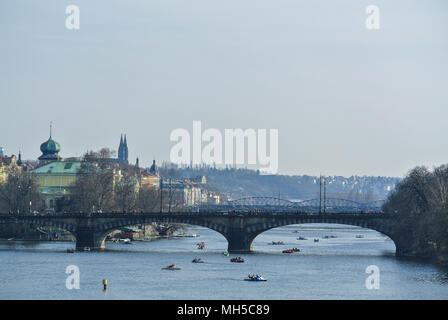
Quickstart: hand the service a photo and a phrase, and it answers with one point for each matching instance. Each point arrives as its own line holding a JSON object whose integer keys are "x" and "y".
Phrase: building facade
{"x": 55, "y": 180}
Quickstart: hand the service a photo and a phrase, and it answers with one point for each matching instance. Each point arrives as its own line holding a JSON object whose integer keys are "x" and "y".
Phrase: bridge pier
{"x": 87, "y": 237}
{"x": 239, "y": 241}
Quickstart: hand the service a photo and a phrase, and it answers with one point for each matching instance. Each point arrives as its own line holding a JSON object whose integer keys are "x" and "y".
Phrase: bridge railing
{"x": 199, "y": 213}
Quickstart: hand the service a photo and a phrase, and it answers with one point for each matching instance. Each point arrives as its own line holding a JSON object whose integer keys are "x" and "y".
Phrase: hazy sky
{"x": 345, "y": 100}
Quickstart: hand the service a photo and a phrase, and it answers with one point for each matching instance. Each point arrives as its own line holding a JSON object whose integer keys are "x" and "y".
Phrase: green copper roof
{"x": 50, "y": 147}
{"x": 58, "y": 167}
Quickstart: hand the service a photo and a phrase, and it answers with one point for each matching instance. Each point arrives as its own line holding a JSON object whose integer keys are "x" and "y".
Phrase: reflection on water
{"x": 333, "y": 268}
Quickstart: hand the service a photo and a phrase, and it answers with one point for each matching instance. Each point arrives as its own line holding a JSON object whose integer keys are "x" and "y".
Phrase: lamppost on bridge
{"x": 320, "y": 194}
{"x": 325, "y": 195}
{"x": 161, "y": 194}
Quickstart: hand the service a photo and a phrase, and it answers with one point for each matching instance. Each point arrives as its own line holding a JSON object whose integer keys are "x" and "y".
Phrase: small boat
{"x": 193, "y": 235}
{"x": 288, "y": 251}
{"x": 86, "y": 249}
{"x": 277, "y": 243}
{"x": 295, "y": 249}
{"x": 359, "y": 236}
{"x": 301, "y": 238}
{"x": 295, "y": 231}
{"x": 237, "y": 259}
{"x": 225, "y": 253}
{"x": 197, "y": 260}
{"x": 255, "y": 278}
{"x": 316, "y": 240}
{"x": 201, "y": 245}
{"x": 172, "y": 267}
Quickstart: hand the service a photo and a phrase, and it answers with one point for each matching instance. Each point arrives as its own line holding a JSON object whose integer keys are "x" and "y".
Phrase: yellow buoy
{"x": 105, "y": 284}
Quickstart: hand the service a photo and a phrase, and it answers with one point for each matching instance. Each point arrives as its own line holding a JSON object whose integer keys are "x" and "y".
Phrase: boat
{"x": 172, "y": 267}
{"x": 288, "y": 251}
{"x": 193, "y": 235}
{"x": 301, "y": 238}
{"x": 201, "y": 245}
{"x": 359, "y": 236}
{"x": 188, "y": 235}
{"x": 316, "y": 240}
{"x": 237, "y": 259}
{"x": 277, "y": 243}
{"x": 295, "y": 231}
{"x": 225, "y": 253}
{"x": 295, "y": 249}
{"x": 197, "y": 260}
{"x": 252, "y": 277}
{"x": 86, "y": 249}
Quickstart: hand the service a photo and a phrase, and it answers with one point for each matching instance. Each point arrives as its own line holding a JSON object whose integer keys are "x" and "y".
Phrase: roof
{"x": 50, "y": 147}
{"x": 58, "y": 167}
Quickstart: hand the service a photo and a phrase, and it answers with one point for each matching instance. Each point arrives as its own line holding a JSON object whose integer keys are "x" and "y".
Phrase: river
{"x": 333, "y": 268}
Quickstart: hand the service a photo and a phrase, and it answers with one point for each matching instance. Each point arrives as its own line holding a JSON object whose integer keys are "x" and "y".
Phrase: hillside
{"x": 237, "y": 183}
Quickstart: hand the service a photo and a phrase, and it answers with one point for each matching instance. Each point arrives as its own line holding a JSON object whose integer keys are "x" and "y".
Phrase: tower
{"x": 123, "y": 150}
{"x": 154, "y": 170}
{"x": 50, "y": 150}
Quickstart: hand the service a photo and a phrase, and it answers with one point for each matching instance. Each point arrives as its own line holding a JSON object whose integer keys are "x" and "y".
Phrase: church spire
{"x": 123, "y": 150}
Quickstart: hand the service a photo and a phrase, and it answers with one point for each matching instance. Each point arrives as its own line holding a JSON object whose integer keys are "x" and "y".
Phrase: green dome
{"x": 50, "y": 149}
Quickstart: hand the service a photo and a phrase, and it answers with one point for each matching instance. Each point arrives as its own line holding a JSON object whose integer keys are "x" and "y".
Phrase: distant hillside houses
{"x": 239, "y": 183}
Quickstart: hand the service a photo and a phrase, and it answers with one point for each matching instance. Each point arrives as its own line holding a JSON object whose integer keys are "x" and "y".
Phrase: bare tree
{"x": 19, "y": 193}
{"x": 125, "y": 194}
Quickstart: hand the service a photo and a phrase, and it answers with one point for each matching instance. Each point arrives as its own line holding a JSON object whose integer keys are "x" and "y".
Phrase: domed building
{"x": 50, "y": 151}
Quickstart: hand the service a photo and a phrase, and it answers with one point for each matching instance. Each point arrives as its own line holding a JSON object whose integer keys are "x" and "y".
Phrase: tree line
{"x": 419, "y": 205}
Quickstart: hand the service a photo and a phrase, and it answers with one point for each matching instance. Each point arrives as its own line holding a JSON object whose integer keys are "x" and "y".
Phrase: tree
{"x": 94, "y": 186}
{"x": 419, "y": 206}
{"x": 148, "y": 199}
{"x": 125, "y": 195}
{"x": 19, "y": 193}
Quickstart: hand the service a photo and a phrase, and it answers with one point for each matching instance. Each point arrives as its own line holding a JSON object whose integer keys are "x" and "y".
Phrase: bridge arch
{"x": 253, "y": 230}
{"x": 386, "y": 232}
{"x": 42, "y": 222}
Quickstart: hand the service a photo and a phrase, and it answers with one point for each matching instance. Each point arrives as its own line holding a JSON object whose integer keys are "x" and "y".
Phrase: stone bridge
{"x": 240, "y": 229}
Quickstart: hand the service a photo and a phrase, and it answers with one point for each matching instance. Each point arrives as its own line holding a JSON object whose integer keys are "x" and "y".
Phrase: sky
{"x": 345, "y": 100}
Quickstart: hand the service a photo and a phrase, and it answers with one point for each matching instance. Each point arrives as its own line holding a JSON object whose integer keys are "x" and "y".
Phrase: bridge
{"x": 239, "y": 228}
{"x": 333, "y": 205}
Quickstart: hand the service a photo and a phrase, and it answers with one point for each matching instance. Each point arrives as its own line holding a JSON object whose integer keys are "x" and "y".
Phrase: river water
{"x": 333, "y": 268}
